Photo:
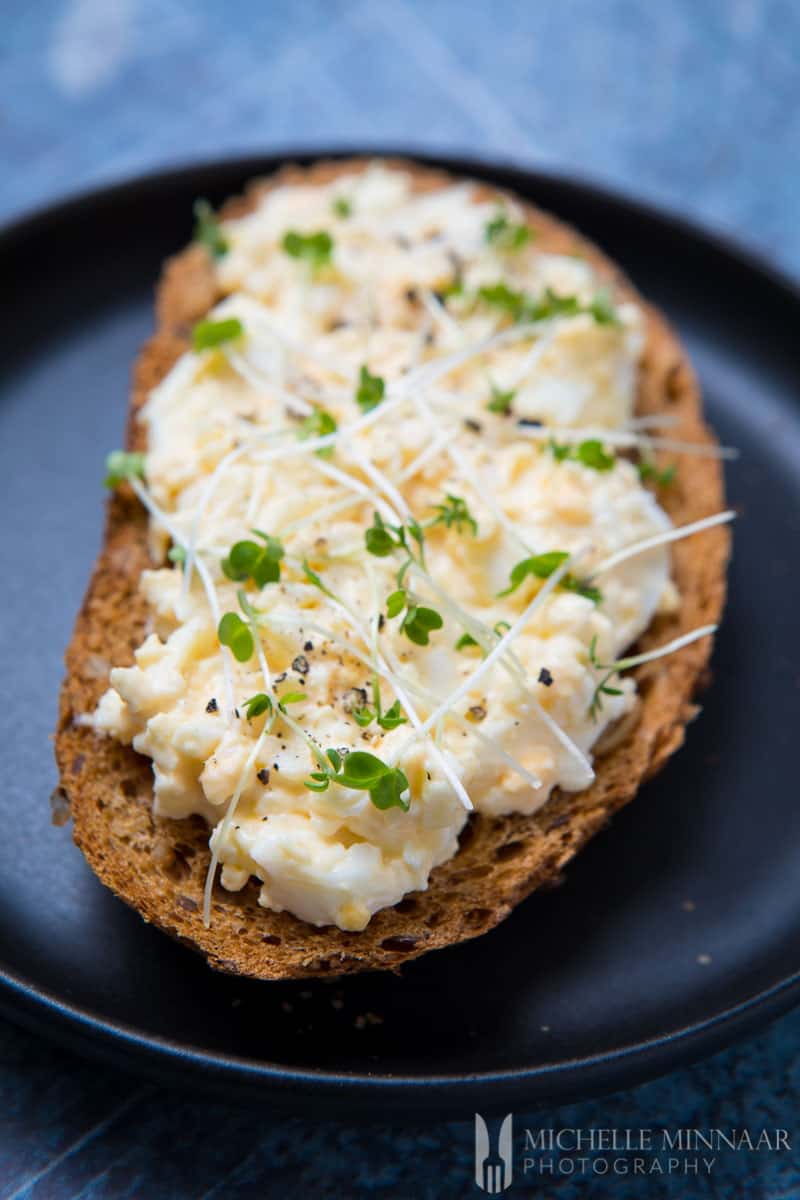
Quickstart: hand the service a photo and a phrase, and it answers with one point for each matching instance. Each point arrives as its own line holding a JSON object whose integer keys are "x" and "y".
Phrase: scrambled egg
{"x": 227, "y": 434}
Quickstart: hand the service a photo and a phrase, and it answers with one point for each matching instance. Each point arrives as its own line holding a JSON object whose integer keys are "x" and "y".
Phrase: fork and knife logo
{"x": 494, "y": 1163}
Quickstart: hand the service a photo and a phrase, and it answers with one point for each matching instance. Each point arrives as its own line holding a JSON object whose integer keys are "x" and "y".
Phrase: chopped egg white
{"x": 226, "y": 455}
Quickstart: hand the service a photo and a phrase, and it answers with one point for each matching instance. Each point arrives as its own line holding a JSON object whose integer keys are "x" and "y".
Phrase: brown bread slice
{"x": 159, "y": 866}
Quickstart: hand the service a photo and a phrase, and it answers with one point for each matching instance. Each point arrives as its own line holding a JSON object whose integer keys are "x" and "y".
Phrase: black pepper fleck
{"x": 476, "y": 712}
{"x": 308, "y": 646}
{"x": 263, "y": 776}
{"x": 300, "y": 664}
{"x": 475, "y": 426}
{"x": 545, "y": 677}
{"x": 212, "y": 706}
{"x": 354, "y": 697}
{"x": 530, "y": 423}
{"x": 279, "y": 678}
{"x": 381, "y": 620}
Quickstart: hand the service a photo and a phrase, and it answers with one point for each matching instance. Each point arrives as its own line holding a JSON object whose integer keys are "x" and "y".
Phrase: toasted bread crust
{"x": 159, "y": 866}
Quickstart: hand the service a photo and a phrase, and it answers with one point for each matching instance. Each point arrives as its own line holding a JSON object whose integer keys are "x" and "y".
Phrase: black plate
{"x": 598, "y": 984}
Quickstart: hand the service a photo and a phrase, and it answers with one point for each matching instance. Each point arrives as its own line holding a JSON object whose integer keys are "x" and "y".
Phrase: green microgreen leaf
{"x": 454, "y": 288}
{"x": 342, "y": 207}
{"x": 519, "y": 306}
{"x": 122, "y": 465}
{"x": 363, "y": 716}
{"x": 392, "y": 717}
{"x": 206, "y": 335}
{"x": 379, "y": 538}
{"x": 249, "y": 560}
{"x": 334, "y": 757}
{"x": 649, "y": 473}
{"x": 559, "y": 452}
{"x": 501, "y": 401}
{"x": 361, "y": 770}
{"x": 454, "y": 511}
{"x": 256, "y": 705}
{"x": 316, "y": 580}
{"x": 499, "y": 295}
{"x": 582, "y": 587}
{"x": 387, "y": 791}
{"x": 592, "y": 454}
{"x": 382, "y": 539}
{"x": 370, "y": 391}
{"x": 602, "y": 688}
{"x": 291, "y": 698}
{"x": 177, "y": 554}
{"x": 234, "y": 633}
{"x": 319, "y": 782}
{"x": 319, "y": 424}
{"x": 415, "y": 529}
{"x": 419, "y": 622}
{"x": 506, "y": 235}
{"x": 364, "y": 772}
{"x": 541, "y": 566}
{"x": 396, "y": 603}
{"x": 207, "y": 230}
{"x": 602, "y": 309}
{"x": 314, "y": 248}
{"x": 465, "y": 640}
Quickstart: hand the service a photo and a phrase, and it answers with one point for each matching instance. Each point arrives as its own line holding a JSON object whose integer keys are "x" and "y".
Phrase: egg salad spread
{"x": 400, "y": 548}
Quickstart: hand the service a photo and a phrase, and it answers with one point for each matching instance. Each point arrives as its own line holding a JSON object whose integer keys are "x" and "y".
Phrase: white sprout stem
{"x": 423, "y": 694}
{"x": 431, "y": 450}
{"x": 437, "y": 311}
{"x": 693, "y": 449}
{"x": 419, "y": 727}
{"x": 256, "y": 315}
{"x": 467, "y": 685}
{"x": 225, "y": 824}
{"x": 258, "y": 382}
{"x": 484, "y": 493}
{"x": 464, "y": 472}
{"x": 381, "y": 481}
{"x": 212, "y": 483}
{"x": 654, "y": 421}
{"x": 485, "y": 637}
{"x": 402, "y": 696}
{"x": 436, "y": 368}
{"x": 327, "y": 510}
{"x": 636, "y": 660}
{"x": 662, "y": 539}
{"x": 623, "y": 437}
{"x": 452, "y": 715}
{"x": 162, "y": 519}
{"x": 300, "y": 449}
{"x": 521, "y": 678}
{"x": 533, "y": 357}
{"x": 355, "y": 485}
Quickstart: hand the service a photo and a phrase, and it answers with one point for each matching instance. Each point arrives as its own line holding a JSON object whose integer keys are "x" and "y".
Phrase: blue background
{"x": 692, "y": 104}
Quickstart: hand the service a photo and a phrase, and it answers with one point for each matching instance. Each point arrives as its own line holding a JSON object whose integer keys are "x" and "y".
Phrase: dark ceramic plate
{"x": 611, "y": 978}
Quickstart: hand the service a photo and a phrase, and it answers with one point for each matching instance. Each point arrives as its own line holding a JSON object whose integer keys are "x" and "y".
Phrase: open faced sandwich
{"x": 412, "y": 564}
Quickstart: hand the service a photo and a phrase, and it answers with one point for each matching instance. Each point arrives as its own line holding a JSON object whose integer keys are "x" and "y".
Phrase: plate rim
{"x": 43, "y": 1011}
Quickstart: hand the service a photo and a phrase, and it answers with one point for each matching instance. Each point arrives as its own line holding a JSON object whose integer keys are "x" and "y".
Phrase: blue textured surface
{"x": 694, "y": 105}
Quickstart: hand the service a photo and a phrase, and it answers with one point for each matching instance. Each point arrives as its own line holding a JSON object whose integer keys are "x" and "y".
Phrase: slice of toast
{"x": 159, "y": 866}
